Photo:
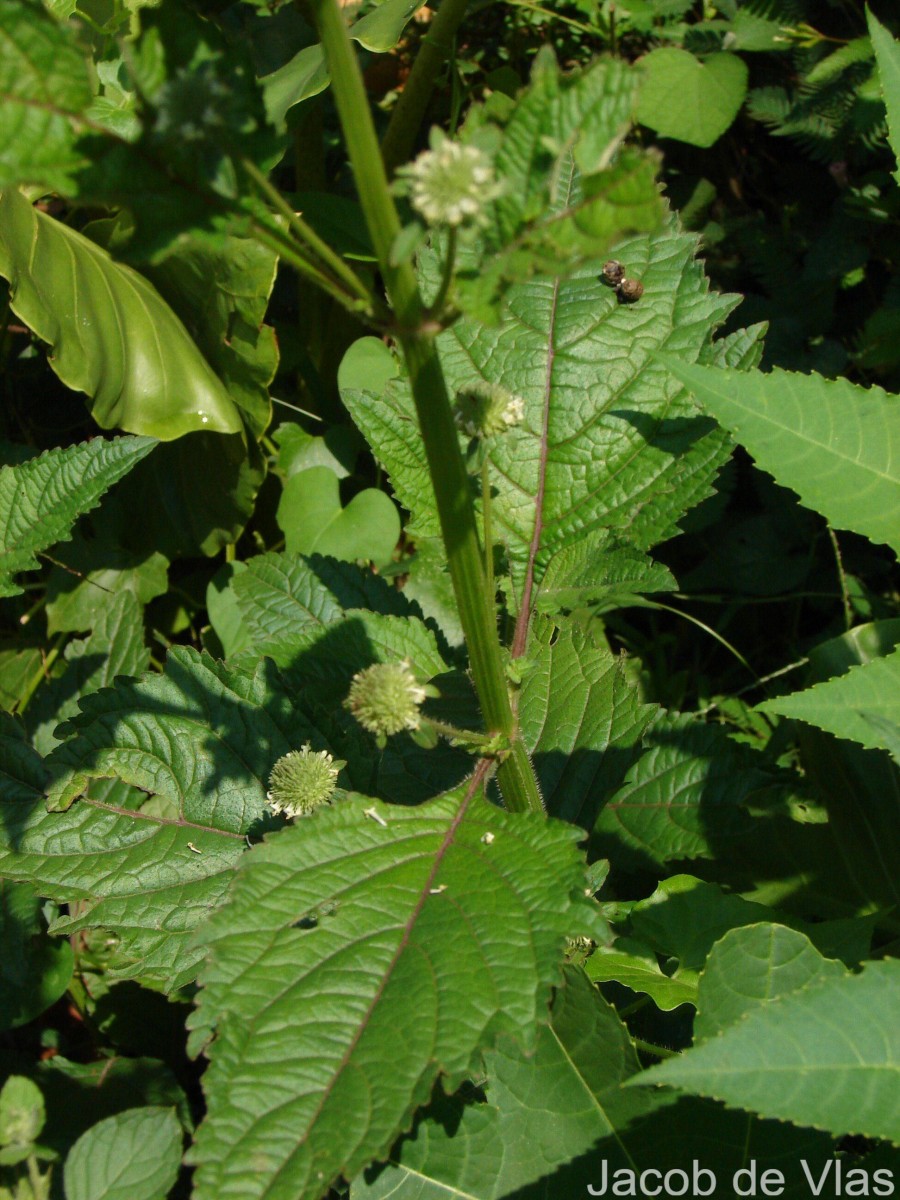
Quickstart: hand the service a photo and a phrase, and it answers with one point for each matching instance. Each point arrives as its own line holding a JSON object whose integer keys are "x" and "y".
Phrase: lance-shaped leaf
{"x": 827, "y": 1056}
{"x": 363, "y": 953}
{"x": 41, "y": 499}
{"x": 111, "y": 333}
{"x": 837, "y": 445}
{"x": 606, "y": 441}
{"x": 887, "y": 54}
{"x": 45, "y": 87}
{"x": 845, "y": 704}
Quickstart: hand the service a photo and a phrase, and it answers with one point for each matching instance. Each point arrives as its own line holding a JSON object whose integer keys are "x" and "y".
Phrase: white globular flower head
{"x": 385, "y": 698}
{"x": 302, "y": 781}
{"x": 452, "y": 184}
{"x": 485, "y": 409}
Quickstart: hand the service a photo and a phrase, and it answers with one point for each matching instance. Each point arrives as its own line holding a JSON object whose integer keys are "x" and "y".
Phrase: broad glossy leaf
{"x": 688, "y": 99}
{"x": 515, "y": 1144}
{"x": 41, "y": 499}
{"x": 313, "y": 520}
{"x": 44, "y": 83}
{"x": 112, "y": 336}
{"x": 582, "y": 721}
{"x": 750, "y": 967}
{"x": 684, "y": 798}
{"x": 606, "y": 442}
{"x": 887, "y": 55}
{"x": 220, "y": 291}
{"x": 349, "y": 942}
{"x": 837, "y": 445}
{"x": 134, "y": 1155}
{"x": 827, "y": 1056}
{"x": 844, "y": 704}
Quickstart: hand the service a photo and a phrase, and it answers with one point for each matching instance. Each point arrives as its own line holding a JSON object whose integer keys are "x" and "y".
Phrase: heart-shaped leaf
{"x": 690, "y": 100}
{"x": 313, "y": 521}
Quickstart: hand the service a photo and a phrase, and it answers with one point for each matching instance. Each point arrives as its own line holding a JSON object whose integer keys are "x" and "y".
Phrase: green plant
{"x": 406, "y": 847}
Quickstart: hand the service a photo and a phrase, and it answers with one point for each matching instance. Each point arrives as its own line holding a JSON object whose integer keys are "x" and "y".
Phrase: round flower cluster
{"x": 302, "y": 781}
{"x": 485, "y": 409}
{"x": 385, "y": 698}
{"x": 452, "y": 184}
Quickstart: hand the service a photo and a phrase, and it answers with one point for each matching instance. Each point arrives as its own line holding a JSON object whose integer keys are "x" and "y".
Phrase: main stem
{"x": 417, "y": 337}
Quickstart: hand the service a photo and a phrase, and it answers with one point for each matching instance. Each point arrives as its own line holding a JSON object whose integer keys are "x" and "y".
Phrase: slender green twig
{"x": 403, "y": 127}
{"x": 42, "y": 673}
{"x": 416, "y": 333}
{"x": 845, "y": 592}
{"x": 307, "y": 234}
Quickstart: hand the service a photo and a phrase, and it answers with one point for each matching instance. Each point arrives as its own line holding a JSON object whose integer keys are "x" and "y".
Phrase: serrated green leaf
{"x": 41, "y": 499}
{"x": 112, "y": 335}
{"x": 606, "y": 443}
{"x": 35, "y": 969}
{"x": 827, "y": 1056}
{"x": 684, "y": 798}
{"x": 409, "y": 933}
{"x": 581, "y": 720}
{"x": 688, "y": 99}
{"x": 835, "y": 444}
{"x": 21, "y": 1111}
{"x": 325, "y": 620}
{"x": 44, "y": 83}
{"x": 201, "y": 740}
{"x": 134, "y": 1155}
{"x": 115, "y": 647}
{"x": 843, "y": 705}
{"x": 887, "y": 55}
{"x": 601, "y": 572}
{"x": 313, "y": 520}
{"x": 751, "y": 966}
{"x": 488, "y": 1151}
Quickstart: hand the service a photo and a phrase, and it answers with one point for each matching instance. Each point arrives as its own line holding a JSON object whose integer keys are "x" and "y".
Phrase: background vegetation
{"x": 221, "y": 503}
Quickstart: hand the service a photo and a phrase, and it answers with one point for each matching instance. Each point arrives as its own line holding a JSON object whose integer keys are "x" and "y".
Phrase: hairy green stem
{"x": 416, "y": 334}
{"x": 488, "y": 532}
{"x": 403, "y": 127}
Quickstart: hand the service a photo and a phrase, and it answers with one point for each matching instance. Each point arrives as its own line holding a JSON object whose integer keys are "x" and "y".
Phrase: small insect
{"x": 630, "y": 289}
{"x": 613, "y": 272}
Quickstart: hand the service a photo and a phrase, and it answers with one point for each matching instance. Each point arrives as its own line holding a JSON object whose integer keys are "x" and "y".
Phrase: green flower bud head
{"x": 486, "y": 409}
{"x": 21, "y": 1112}
{"x": 452, "y": 184}
{"x": 302, "y": 781}
{"x": 385, "y": 698}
